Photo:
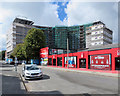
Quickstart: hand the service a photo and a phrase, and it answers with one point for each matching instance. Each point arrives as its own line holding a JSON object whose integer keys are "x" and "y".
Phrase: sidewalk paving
{"x": 11, "y": 81}
{"x": 97, "y": 72}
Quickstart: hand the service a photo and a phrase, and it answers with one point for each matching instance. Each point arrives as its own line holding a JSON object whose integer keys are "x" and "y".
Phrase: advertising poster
{"x": 101, "y": 62}
{"x": 71, "y": 61}
{"x": 44, "y": 56}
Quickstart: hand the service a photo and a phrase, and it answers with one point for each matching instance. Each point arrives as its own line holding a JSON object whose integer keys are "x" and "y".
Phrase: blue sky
{"x": 59, "y": 13}
{"x": 61, "y": 9}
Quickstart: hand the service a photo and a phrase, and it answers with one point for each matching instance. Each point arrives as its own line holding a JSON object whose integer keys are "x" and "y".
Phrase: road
{"x": 66, "y": 82}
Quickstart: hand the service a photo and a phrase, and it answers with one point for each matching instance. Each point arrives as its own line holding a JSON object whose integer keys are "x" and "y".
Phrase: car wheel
{"x": 42, "y": 77}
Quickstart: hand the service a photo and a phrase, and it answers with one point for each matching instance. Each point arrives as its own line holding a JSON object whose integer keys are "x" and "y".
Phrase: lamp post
{"x": 67, "y": 53}
{"x": 15, "y": 63}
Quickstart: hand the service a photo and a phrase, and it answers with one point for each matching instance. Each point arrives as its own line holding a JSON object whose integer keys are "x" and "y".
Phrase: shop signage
{"x": 53, "y": 57}
{"x": 44, "y": 52}
{"x": 54, "y": 51}
{"x": 118, "y": 52}
{"x": 44, "y": 56}
{"x": 100, "y": 61}
{"x": 81, "y": 55}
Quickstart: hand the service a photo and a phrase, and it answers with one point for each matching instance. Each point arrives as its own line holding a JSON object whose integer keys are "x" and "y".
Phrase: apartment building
{"x": 79, "y": 36}
{"x": 17, "y": 33}
{"x": 98, "y": 34}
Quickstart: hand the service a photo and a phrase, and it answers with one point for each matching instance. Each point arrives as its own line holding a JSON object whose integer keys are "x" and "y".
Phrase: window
{"x": 50, "y": 61}
{"x": 59, "y": 61}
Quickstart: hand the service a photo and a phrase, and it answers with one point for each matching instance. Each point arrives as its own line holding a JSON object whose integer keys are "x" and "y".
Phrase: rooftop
{"x": 23, "y": 21}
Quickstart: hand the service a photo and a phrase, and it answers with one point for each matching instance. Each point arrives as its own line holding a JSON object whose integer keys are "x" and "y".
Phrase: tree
{"x": 18, "y": 52}
{"x": 33, "y": 42}
{"x": 2, "y": 55}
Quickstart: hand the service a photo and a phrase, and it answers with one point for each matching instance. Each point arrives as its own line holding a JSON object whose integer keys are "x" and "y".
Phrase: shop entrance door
{"x": 117, "y": 63}
{"x": 54, "y": 62}
{"x": 82, "y": 63}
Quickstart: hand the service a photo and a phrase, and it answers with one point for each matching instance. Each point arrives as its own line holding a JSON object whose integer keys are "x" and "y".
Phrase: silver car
{"x": 31, "y": 72}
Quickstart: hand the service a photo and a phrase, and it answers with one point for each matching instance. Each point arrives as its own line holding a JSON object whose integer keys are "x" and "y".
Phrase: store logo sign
{"x": 53, "y": 56}
{"x": 118, "y": 52}
{"x": 81, "y": 55}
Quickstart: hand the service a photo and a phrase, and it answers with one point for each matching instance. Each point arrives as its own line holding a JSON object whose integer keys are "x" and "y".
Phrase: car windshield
{"x": 31, "y": 68}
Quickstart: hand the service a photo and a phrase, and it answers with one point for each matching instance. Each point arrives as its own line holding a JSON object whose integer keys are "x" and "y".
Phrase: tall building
{"x": 79, "y": 36}
{"x": 98, "y": 34}
{"x": 17, "y": 33}
{"x": 48, "y": 32}
{"x": 56, "y": 37}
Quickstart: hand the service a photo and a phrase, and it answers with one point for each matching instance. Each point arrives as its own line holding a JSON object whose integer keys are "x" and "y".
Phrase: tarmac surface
{"x": 57, "y": 81}
{"x": 62, "y": 81}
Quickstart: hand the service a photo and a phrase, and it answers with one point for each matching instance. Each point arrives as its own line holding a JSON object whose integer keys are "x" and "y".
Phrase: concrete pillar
{"x": 62, "y": 60}
{"x": 113, "y": 62}
{"x": 78, "y": 61}
{"x": 87, "y": 60}
{"x": 56, "y": 60}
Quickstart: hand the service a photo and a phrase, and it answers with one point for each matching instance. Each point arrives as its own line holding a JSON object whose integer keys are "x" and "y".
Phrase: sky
{"x": 58, "y": 13}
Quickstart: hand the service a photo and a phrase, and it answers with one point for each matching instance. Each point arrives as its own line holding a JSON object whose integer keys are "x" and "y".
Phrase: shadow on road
{"x": 50, "y": 93}
{"x": 44, "y": 78}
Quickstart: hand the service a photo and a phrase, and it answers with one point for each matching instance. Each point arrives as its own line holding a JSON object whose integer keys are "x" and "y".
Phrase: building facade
{"x": 79, "y": 37}
{"x": 17, "y": 33}
{"x": 102, "y": 58}
{"x": 98, "y": 34}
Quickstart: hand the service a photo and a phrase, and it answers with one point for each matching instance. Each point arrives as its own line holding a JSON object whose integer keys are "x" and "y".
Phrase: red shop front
{"x": 102, "y": 59}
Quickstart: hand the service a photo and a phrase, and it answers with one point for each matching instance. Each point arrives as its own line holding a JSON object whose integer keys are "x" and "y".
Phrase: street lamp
{"x": 67, "y": 53}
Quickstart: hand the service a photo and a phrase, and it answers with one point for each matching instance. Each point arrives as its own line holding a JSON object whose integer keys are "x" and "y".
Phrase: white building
{"x": 17, "y": 33}
{"x": 98, "y": 34}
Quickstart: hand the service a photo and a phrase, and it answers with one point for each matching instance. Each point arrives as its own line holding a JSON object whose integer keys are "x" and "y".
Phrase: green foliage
{"x": 2, "y": 55}
{"x": 34, "y": 40}
{"x": 18, "y": 52}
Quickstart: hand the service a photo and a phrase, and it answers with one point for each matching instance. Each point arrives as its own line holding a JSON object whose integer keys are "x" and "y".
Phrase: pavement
{"x": 11, "y": 81}
{"x": 103, "y": 73}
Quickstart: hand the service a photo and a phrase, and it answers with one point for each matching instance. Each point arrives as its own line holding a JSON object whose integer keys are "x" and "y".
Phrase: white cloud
{"x": 49, "y": 16}
{"x": 42, "y": 13}
{"x": 3, "y": 18}
{"x": 4, "y": 14}
{"x": 87, "y": 12}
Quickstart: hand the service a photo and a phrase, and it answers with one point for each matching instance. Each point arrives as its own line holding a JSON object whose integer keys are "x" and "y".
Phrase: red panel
{"x": 44, "y": 52}
{"x": 100, "y": 62}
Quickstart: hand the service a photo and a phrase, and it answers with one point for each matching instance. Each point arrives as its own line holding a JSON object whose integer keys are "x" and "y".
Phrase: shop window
{"x": 72, "y": 61}
{"x": 117, "y": 63}
{"x": 54, "y": 62}
{"x": 82, "y": 63}
{"x": 59, "y": 61}
{"x": 50, "y": 61}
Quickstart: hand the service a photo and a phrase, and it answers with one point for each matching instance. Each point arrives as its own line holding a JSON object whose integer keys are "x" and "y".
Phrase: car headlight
{"x": 28, "y": 73}
{"x": 40, "y": 72}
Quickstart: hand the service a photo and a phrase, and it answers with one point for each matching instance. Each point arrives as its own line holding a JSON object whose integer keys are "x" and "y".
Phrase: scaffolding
{"x": 56, "y": 37}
